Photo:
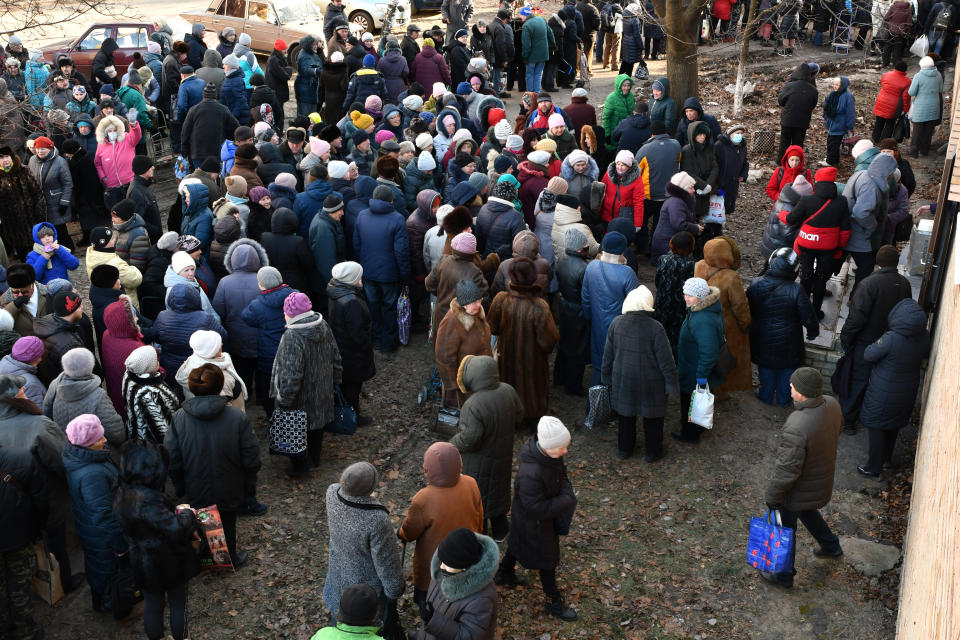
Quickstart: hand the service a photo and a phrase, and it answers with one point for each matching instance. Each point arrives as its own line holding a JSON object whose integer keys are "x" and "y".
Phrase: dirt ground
{"x": 655, "y": 551}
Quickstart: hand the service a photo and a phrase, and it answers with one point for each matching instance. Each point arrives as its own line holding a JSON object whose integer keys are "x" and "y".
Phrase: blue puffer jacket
{"x": 236, "y": 291}
{"x": 309, "y": 66}
{"x": 779, "y": 311}
{"x": 174, "y": 326}
{"x": 605, "y": 287}
{"x": 61, "y": 261}
{"x": 363, "y": 187}
{"x": 281, "y": 197}
{"x": 363, "y": 84}
{"x": 197, "y": 218}
{"x": 265, "y": 313}
{"x": 91, "y": 476}
{"x": 307, "y": 204}
{"x": 381, "y": 243}
{"x": 844, "y": 117}
{"x": 233, "y": 95}
{"x": 631, "y": 45}
{"x": 896, "y": 375}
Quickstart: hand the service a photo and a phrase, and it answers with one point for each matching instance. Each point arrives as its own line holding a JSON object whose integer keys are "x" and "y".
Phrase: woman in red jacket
{"x": 791, "y": 165}
{"x": 893, "y": 85}
{"x": 625, "y": 190}
{"x": 720, "y": 19}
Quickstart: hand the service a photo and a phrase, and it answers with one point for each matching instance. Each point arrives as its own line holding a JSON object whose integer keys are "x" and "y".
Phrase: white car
{"x": 364, "y": 14}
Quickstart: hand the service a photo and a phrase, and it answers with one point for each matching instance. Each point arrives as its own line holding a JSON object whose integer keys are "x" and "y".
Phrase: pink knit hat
{"x": 373, "y": 102}
{"x": 556, "y": 120}
{"x": 319, "y": 147}
{"x": 85, "y": 430}
{"x": 382, "y": 136}
{"x": 464, "y": 242}
{"x": 296, "y": 303}
{"x": 27, "y": 349}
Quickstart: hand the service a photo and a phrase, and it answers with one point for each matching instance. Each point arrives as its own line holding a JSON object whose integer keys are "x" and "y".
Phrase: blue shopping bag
{"x": 770, "y": 543}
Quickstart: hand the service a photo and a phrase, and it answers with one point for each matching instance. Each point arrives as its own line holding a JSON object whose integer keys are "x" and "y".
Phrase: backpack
{"x": 944, "y": 18}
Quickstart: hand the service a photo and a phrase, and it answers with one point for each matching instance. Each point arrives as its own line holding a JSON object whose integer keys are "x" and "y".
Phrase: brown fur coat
{"x": 459, "y": 335}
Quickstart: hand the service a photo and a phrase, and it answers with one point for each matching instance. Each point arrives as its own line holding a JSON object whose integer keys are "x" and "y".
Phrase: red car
{"x": 130, "y": 36}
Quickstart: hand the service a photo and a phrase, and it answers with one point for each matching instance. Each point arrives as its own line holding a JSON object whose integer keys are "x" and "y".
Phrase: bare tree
{"x": 41, "y": 16}
{"x": 681, "y": 21}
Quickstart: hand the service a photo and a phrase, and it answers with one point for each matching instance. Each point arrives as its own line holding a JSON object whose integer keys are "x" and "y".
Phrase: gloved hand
{"x": 63, "y": 209}
{"x": 132, "y": 114}
{"x": 707, "y": 189}
{"x": 701, "y": 382}
{"x": 20, "y": 301}
{"x": 427, "y": 612}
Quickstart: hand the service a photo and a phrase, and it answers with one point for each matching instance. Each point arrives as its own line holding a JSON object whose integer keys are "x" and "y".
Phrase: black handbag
{"x": 124, "y": 593}
{"x": 726, "y": 362}
{"x": 392, "y": 628}
{"x": 901, "y": 124}
{"x": 840, "y": 380}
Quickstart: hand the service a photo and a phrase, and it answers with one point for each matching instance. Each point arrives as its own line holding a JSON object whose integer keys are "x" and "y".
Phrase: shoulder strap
{"x": 808, "y": 220}
{"x": 359, "y": 505}
{"x": 7, "y": 478}
{"x": 714, "y": 273}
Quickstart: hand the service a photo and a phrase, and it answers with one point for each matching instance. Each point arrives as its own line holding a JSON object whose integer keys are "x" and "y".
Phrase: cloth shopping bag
{"x": 769, "y": 543}
{"x": 701, "y": 407}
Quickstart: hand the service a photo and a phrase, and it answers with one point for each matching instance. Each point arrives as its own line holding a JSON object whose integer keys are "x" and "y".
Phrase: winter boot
{"x": 557, "y": 608}
{"x": 508, "y": 578}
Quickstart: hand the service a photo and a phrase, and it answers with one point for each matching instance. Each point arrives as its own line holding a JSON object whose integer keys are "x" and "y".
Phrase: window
{"x": 260, "y": 12}
{"x": 236, "y": 8}
{"x": 93, "y": 39}
{"x": 132, "y": 37}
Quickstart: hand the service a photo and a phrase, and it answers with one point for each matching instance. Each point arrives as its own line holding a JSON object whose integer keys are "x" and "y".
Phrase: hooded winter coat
{"x": 53, "y": 175}
{"x": 393, "y": 67}
{"x": 665, "y": 108}
{"x": 236, "y": 291}
{"x": 525, "y": 244}
{"x": 160, "y": 540}
{"x": 624, "y": 194}
{"x": 867, "y": 194}
{"x": 464, "y": 605}
{"x": 306, "y": 369}
{"x": 565, "y": 218}
{"x": 429, "y": 67}
{"x": 91, "y": 476}
{"x": 542, "y": 495}
{"x": 526, "y": 334}
{"x": 779, "y": 311}
{"x": 102, "y": 60}
{"x": 638, "y": 365}
{"x": 839, "y": 115}
{"x": 683, "y": 126}
{"x": 288, "y": 251}
{"x": 781, "y": 231}
{"x": 381, "y": 243}
{"x": 363, "y": 84}
{"x": 121, "y": 337}
{"x": 183, "y": 316}
{"x": 632, "y": 133}
{"x": 785, "y": 174}
{"x": 617, "y": 107}
{"x": 197, "y": 45}
{"x": 450, "y": 500}
{"x": 721, "y": 259}
{"x": 69, "y": 397}
{"x": 52, "y": 265}
{"x": 198, "y": 220}
{"x": 798, "y": 98}
{"x": 147, "y": 209}
{"x": 59, "y": 336}
{"x": 897, "y": 372}
{"x": 349, "y": 319}
{"x": 271, "y": 165}
{"x": 498, "y": 223}
{"x": 419, "y": 222}
{"x": 700, "y": 161}
{"x": 214, "y": 456}
{"x": 698, "y": 346}
{"x": 211, "y": 71}
{"x": 133, "y": 242}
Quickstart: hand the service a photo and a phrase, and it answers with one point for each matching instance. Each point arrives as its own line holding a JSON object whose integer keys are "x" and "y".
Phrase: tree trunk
{"x": 682, "y": 28}
{"x": 744, "y": 54}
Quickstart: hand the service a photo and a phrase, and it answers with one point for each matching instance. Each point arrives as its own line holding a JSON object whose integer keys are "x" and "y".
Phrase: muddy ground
{"x": 656, "y": 551}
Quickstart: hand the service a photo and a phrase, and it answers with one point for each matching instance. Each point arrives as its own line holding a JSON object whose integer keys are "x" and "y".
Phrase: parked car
{"x": 130, "y": 36}
{"x": 266, "y": 20}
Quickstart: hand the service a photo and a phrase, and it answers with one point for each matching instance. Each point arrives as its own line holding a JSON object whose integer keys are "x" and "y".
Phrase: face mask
{"x": 736, "y": 138}
{"x": 112, "y": 136}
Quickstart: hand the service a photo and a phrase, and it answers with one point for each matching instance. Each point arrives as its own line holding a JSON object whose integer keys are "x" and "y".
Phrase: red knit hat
{"x": 826, "y": 174}
{"x": 495, "y": 115}
{"x": 43, "y": 142}
{"x": 280, "y": 45}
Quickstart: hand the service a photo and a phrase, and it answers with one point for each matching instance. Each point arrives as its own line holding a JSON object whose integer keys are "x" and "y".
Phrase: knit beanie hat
{"x": 464, "y": 89}
{"x": 332, "y": 203}
{"x": 502, "y": 130}
{"x": 287, "y": 180}
{"x": 210, "y": 91}
{"x": 696, "y": 287}
{"x": 467, "y": 292}
{"x": 513, "y": 143}
{"x": 503, "y": 162}
{"x": 413, "y": 103}
{"x": 860, "y": 147}
{"x": 6, "y": 320}
{"x": 296, "y": 304}
{"x": 124, "y": 209}
{"x": 802, "y": 186}
{"x": 27, "y": 349}
{"x": 337, "y": 169}
{"x": 826, "y": 174}
{"x": 464, "y": 242}
{"x": 423, "y": 141}
{"x": 574, "y": 239}
{"x": 504, "y": 191}
{"x": 360, "y": 120}
{"x": 556, "y": 120}
{"x": 383, "y": 193}
{"x": 359, "y": 605}
{"x": 85, "y": 430}
{"x": 479, "y": 180}
{"x": 926, "y": 62}
{"x": 808, "y": 382}
{"x": 407, "y": 147}
{"x": 188, "y": 243}
{"x": 382, "y": 136}
{"x": 347, "y": 272}
{"x": 142, "y": 360}
{"x": 463, "y": 159}
{"x": 548, "y": 145}
{"x": 683, "y": 180}
{"x": 66, "y": 302}
{"x": 141, "y": 164}
{"x": 551, "y": 433}
{"x": 887, "y": 256}
{"x": 461, "y": 549}
{"x": 258, "y": 193}
{"x": 614, "y": 243}
{"x": 206, "y": 380}
{"x": 99, "y": 237}
{"x": 181, "y": 260}
{"x": 557, "y": 185}
{"x": 77, "y": 362}
{"x": 210, "y": 164}
{"x": 626, "y": 157}
{"x": 373, "y": 102}
{"x": 360, "y": 136}
{"x": 425, "y": 161}
{"x": 269, "y": 278}
{"x": 104, "y": 276}
{"x": 231, "y": 61}
{"x": 657, "y": 127}
{"x": 206, "y": 344}
{"x": 358, "y": 480}
{"x": 236, "y": 186}
{"x": 541, "y": 158}
{"x": 319, "y": 147}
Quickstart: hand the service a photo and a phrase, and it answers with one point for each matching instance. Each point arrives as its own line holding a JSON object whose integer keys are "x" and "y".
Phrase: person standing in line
{"x": 537, "y": 41}
{"x": 797, "y": 99}
{"x": 926, "y": 89}
{"x": 802, "y": 480}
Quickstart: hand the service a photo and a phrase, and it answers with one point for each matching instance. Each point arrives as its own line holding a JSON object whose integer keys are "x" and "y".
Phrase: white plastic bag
{"x": 701, "y": 407}
{"x": 717, "y": 212}
{"x": 920, "y": 46}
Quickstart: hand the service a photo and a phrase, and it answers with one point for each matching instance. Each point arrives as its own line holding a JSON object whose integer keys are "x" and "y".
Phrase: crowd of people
{"x": 276, "y": 275}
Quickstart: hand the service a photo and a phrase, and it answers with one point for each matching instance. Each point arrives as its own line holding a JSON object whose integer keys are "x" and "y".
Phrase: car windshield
{"x": 296, "y": 11}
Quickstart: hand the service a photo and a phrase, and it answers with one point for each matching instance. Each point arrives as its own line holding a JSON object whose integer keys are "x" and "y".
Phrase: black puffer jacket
{"x": 151, "y": 291}
{"x": 870, "y": 305}
{"x": 542, "y": 498}
{"x": 349, "y": 319}
{"x": 22, "y": 500}
{"x": 161, "y": 552}
{"x": 287, "y": 251}
{"x": 778, "y": 234}
{"x": 798, "y": 98}
{"x": 780, "y": 311}
{"x": 214, "y": 456}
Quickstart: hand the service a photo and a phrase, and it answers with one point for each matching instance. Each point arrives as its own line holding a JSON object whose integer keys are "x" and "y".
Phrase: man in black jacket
{"x": 591, "y": 23}
{"x": 214, "y": 456}
{"x": 334, "y": 12}
{"x": 458, "y": 57}
{"x": 798, "y": 98}
{"x": 205, "y": 128}
{"x": 870, "y": 304}
{"x": 409, "y": 46}
{"x": 143, "y": 198}
{"x": 503, "y": 48}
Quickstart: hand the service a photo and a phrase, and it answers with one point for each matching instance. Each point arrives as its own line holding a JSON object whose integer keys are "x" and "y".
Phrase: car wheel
{"x": 293, "y": 54}
{"x": 363, "y": 20}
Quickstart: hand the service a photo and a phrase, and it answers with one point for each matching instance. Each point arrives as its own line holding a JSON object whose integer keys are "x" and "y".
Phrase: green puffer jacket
{"x": 617, "y": 107}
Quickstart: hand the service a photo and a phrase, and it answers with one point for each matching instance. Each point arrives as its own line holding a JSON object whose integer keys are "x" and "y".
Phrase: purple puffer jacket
{"x": 394, "y": 68}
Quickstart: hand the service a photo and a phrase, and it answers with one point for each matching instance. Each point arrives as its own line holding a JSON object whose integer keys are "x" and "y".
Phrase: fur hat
{"x": 206, "y": 380}
{"x": 457, "y": 221}
{"x": 523, "y": 275}
{"x": 21, "y": 275}
{"x": 388, "y": 167}
{"x": 551, "y": 433}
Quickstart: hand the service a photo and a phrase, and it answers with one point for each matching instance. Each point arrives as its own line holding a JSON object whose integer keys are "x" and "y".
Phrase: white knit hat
{"x": 142, "y": 360}
{"x": 514, "y": 143}
{"x": 551, "y": 433}
{"x": 336, "y": 56}
{"x": 423, "y": 141}
{"x": 425, "y": 161}
{"x": 442, "y": 212}
{"x": 438, "y": 89}
{"x": 696, "y": 287}
{"x": 181, "y": 260}
{"x": 626, "y": 157}
{"x": 860, "y": 147}
{"x": 926, "y": 62}
{"x": 502, "y": 130}
{"x": 206, "y": 344}
{"x": 337, "y": 169}
{"x": 683, "y": 180}
{"x": 541, "y": 158}
{"x": 414, "y": 103}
